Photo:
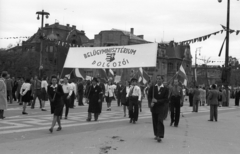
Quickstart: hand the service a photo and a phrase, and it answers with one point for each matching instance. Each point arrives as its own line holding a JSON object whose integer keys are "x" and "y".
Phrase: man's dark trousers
{"x": 37, "y": 94}
{"x": 66, "y": 102}
{"x": 158, "y": 127}
{"x": 80, "y": 99}
{"x": 119, "y": 99}
{"x": 175, "y": 109}
{"x": 133, "y": 108}
{"x": 72, "y": 100}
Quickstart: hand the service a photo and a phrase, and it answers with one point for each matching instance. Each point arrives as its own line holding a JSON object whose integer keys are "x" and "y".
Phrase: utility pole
{"x": 195, "y": 69}
{"x": 42, "y": 13}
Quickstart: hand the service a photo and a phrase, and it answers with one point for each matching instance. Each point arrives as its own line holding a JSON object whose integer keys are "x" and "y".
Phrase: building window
{"x": 74, "y": 42}
{"x": 51, "y": 49}
{"x": 178, "y": 66}
{"x": 170, "y": 66}
{"x": 163, "y": 66}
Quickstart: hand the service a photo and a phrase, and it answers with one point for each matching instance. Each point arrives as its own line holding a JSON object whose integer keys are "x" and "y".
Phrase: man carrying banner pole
{"x": 158, "y": 94}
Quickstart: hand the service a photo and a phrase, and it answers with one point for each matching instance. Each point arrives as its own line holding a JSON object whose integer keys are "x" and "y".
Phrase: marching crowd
{"x": 162, "y": 98}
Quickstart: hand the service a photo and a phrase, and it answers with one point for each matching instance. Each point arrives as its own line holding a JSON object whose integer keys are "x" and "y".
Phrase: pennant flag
{"x": 80, "y": 73}
{"x": 183, "y": 75}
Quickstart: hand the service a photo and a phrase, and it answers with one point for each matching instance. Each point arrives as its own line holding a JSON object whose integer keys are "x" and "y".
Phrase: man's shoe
{"x": 171, "y": 123}
{"x": 24, "y": 113}
{"x": 44, "y": 110}
{"x": 175, "y": 125}
{"x": 134, "y": 122}
{"x": 130, "y": 121}
{"x": 32, "y": 107}
{"x": 65, "y": 117}
{"x": 159, "y": 139}
{"x": 155, "y": 138}
{"x": 210, "y": 120}
{"x": 88, "y": 119}
{"x": 59, "y": 128}
{"x": 50, "y": 130}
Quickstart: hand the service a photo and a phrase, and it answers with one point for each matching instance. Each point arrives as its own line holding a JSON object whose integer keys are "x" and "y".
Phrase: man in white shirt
{"x": 134, "y": 96}
{"x": 67, "y": 89}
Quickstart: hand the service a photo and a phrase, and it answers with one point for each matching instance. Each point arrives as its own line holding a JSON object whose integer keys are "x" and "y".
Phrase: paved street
{"x": 113, "y": 133}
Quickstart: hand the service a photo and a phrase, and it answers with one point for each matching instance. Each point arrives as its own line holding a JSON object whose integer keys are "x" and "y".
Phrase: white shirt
{"x": 127, "y": 90}
{"x": 159, "y": 86}
{"x": 136, "y": 92}
{"x": 44, "y": 84}
{"x": 67, "y": 89}
{"x": 109, "y": 90}
{"x": 25, "y": 88}
{"x": 74, "y": 87}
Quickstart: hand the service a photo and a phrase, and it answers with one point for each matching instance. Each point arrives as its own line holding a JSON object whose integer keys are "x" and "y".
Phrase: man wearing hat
{"x": 158, "y": 95}
{"x": 134, "y": 96}
{"x": 94, "y": 98}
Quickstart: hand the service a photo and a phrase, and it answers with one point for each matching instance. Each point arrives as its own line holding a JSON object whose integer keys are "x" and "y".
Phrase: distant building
{"x": 53, "y": 54}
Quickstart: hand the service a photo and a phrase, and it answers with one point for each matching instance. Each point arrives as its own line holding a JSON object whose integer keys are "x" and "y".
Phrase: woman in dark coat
{"x": 94, "y": 98}
{"x": 55, "y": 93}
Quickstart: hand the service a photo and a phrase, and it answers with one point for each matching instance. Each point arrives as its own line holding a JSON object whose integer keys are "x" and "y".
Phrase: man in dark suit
{"x": 80, "y": 92}
{"x": 213, "y": 102}
{"x": 120, "y": 88}
{"x": 102, "y": 86}
{"x": 158, "y": 94}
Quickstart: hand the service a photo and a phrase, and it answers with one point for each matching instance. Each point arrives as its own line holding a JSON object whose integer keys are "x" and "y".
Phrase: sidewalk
{"x": 194, "y": 135}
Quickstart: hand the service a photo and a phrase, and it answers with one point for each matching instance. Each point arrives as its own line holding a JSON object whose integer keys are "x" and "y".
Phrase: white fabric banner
{"x": 131, "y": 56}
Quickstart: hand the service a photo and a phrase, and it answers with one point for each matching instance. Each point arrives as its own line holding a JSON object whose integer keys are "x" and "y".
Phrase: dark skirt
{"x": 44, "y": 95}
{"x": 109, "y": 99}
{"x": 56, "y": 108}
{"x": 27, "y": 97}
{"x": 124, "y": 100}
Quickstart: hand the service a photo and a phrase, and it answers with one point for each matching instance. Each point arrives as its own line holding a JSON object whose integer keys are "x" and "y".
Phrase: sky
{"x": 157, "y": 20}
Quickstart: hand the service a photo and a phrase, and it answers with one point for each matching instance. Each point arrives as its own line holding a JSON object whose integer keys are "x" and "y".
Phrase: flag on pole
{"x": 80, "y": 73}
{"x": 144, "y": 76}
{"x": 183, "y": 75}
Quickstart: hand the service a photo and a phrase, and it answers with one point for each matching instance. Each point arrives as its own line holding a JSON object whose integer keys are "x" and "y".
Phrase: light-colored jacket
{"x": 109, "y": 90}
{"x": 3, "y": 94}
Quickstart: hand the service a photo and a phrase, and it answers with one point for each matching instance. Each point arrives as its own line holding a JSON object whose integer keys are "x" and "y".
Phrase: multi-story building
{"x": 53, "y": 42}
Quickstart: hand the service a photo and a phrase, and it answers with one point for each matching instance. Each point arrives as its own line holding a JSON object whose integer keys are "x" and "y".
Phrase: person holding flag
{"x": 176, "y": 98}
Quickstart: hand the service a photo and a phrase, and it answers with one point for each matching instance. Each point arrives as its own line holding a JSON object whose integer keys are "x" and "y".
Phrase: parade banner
{"x": 131, "y": 56}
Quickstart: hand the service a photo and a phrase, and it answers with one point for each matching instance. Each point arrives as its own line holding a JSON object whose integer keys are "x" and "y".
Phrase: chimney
{"x": 46, "y": 25}
{"x": 67, "y": 25}
{"x": 73, "y": 26}
{"x": 140, "y": 36}
{"x": 132, "y": 30}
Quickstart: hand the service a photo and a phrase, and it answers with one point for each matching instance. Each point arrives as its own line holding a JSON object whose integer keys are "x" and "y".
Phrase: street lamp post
{"x": 42, "y": 13}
